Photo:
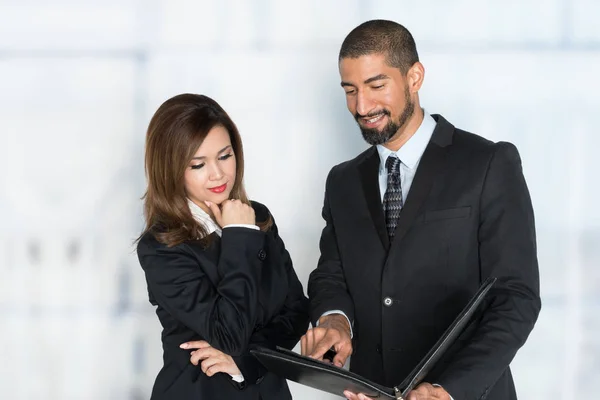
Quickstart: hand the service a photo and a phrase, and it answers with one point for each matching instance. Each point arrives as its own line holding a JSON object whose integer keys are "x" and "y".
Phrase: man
{"x": 413, "y": 226}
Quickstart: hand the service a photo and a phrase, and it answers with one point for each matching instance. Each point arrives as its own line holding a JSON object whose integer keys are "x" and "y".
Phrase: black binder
{"x": 329, "y": 378}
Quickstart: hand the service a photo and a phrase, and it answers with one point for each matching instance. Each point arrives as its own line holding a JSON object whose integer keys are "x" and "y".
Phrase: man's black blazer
{"x": 468, "y": 216}
{"x": 240, "y": 291}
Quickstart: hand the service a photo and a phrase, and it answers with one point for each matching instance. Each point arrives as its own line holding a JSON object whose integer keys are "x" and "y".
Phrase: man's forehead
{"x": 365, "y": 67}
{"x": 365, "y": 57}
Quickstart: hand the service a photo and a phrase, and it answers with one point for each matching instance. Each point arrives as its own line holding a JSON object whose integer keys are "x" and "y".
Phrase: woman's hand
{"x": 211, "y": 360}
{"x": 232, "y": 212}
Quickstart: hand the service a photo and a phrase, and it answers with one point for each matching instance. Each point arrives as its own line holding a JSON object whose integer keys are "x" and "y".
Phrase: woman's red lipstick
{"x": 219, "y": 189}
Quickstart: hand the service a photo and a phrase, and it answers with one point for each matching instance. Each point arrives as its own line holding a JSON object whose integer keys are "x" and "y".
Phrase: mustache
{"x": 357, "y": 116}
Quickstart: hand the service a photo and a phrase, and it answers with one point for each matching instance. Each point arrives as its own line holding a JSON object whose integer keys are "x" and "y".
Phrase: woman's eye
{"x": 197, "y": 166}
{"x": 225, "y": 157}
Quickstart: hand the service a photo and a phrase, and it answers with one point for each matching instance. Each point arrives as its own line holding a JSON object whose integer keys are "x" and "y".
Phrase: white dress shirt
{"x": 409, "y": 154}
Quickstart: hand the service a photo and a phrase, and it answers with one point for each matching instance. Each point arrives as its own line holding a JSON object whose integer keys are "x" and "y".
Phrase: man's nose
{"x": 364, "y": 105}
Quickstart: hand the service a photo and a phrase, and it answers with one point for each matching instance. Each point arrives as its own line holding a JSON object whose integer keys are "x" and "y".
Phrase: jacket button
{"x": 262, "y": 255}
{"x": 378, "y": 349}
{"x": 388, "y": 301}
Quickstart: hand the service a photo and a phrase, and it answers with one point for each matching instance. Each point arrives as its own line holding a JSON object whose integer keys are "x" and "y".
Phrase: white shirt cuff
{"x": 242, "y": 226}
{"x": 237, "y": 378}
{"x": 438, "y": 385}
{"x": 342, "y": 313}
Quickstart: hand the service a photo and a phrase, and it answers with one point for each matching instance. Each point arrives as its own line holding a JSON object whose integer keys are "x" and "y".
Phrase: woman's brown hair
{"x": 175, "y": 133}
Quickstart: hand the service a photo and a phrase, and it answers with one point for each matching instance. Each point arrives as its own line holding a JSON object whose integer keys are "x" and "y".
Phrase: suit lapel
{"x": 428, "y": 168}
{"x": 369, "y": 177}
{"x": 431, "y": 161}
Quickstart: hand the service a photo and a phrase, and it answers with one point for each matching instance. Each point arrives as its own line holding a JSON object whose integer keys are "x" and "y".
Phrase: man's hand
{"x": 213, "y": 360}
{"x": 425, "y": 391}
{"x": 333, "y": 331}
{"x": 354, "y": 396}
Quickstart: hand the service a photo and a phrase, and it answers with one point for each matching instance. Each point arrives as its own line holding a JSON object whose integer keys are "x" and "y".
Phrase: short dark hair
{"x": 383, "y": 37}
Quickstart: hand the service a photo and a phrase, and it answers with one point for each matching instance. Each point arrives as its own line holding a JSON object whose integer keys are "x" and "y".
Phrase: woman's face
{"x": 210, "y": 174}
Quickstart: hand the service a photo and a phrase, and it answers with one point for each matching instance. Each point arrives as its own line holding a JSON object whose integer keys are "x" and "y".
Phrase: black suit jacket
{"x": 239, "y": 292}
{"x": 467, "y": 216}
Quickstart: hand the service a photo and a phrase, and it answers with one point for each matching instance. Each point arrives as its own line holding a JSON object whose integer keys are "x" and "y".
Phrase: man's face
{"x": 377, "y": 95}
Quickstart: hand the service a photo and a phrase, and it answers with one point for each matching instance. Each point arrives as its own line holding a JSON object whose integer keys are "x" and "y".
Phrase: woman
{"x": 215, "y": 265}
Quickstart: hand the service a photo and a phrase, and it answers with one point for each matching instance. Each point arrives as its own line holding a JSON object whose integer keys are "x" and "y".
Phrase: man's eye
{"x": 378, "y": 87}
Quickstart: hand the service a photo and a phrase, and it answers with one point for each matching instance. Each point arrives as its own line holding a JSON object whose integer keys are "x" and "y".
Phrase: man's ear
{"x": 415, "y": 76}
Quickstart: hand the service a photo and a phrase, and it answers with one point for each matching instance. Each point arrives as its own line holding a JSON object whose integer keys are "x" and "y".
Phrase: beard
{"x": 375, "y": 137}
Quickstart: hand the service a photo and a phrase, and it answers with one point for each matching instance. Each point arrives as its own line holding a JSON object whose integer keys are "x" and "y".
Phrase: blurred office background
{"x": 79, "y": 81}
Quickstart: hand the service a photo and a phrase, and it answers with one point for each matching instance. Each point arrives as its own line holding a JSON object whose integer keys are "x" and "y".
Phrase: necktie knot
{"x": 392, "y": 164}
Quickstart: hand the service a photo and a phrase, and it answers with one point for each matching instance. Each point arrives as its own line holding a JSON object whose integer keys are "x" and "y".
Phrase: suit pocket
{"x": 449, "y": 213}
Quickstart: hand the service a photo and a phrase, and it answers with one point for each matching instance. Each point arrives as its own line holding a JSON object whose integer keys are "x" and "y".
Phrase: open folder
{"x": 329, "y": 378}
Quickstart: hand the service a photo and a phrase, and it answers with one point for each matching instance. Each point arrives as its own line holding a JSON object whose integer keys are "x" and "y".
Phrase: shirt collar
{"x": 410, "y": 153}
{"x": 203, "y": 218}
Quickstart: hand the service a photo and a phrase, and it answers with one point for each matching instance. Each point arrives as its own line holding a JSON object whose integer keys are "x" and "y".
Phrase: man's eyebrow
{"x": 377, "y": 78}
{"x": 366, "y": 82}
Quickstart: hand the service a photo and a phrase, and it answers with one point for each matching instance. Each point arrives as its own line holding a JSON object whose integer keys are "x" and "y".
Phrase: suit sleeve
{"x": 286, "y": 328}
{"x": 327, "y": 288}
{"x": 223, "y": 315}
{"x": 507, "y": 250}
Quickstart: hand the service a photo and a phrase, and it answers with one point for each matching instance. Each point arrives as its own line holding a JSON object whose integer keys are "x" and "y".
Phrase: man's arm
{"x": 327, "y": 284}
{"x": 327, "y": 291}
{"x": 507, "y": 250}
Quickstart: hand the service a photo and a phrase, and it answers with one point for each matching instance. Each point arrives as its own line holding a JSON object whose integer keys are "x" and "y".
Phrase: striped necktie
{"x": 392, "y": 199}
